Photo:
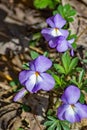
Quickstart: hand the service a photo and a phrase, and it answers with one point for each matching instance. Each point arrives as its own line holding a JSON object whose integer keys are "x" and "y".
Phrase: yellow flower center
{"x": 72, "y": 106}
{"x": 37, "y": 74}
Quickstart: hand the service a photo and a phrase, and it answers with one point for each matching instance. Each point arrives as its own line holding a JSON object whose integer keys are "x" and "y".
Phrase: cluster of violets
{"x": 36, "y": 78}
{"x": 56, "y": 36}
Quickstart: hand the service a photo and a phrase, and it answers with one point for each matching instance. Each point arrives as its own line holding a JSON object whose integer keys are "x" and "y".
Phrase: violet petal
{"x": 56, "y": 21}
{"x": 41, "y": 64}
{"x": 71, "y": 95}
{"x": 59, "y": 21}
{"x": 47, "y": 82}
{"x": 46, "y": 32}
{"x": 53, "y": 43}
{"x": 30, "y": 83}
{"x": 64, "y": 33}
{"x": 24, "y": 76}
{"x": 50, "y": 22}
{"x": 71, "y": 115}
{"x": 20, "y": 94}
{"x": 62, "y": 45}
{"x": 81, "y": 110}
{"x": 61, "y": 111}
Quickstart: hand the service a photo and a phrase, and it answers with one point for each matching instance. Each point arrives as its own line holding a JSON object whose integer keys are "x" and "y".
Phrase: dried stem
{"x": 37, "y": 122}
{"x": 36, "y": 49}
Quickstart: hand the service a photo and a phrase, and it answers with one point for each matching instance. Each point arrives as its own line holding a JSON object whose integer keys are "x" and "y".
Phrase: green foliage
{"x": 20, "y": 129}
{"x": 66, "y": 12}
{"x": 42, "y": 4}
{"x": 82, "y": 98}
{"x": 25, "y": 66}
{"x": 79, "y": 81}
{"x": 68, "y": 64}
{"x": 35, "y": 39}
{"x": 14, "y": 84}
{"x": 34, "y": 54}
{"x": 54, "y": 124}
{"x": 25, "y": 108}
{"x": 46, "y": 53}
{"x": 59, "y": 68}
{"x": 72, "y": 36}
{"x": 85, "y": 59}
{"x": 59, "y": 81}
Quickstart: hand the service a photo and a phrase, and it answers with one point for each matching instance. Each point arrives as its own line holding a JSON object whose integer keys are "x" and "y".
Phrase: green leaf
{"x": 46, "y": 53}
{"x": 82, "y": 73}
{"x": 59, "y": 68}
{"x": 26, "y": 108}
{"x": 49, "y": 112}
{"x": 57, "y": 79}
{"x": 25, "y": 66}
{"x": 85, "y": 61}
{"x": 58, "y": 127}
{"x": 60, "y": 10}
{"x": 70, "y": 19}
{"x": 36, "y": 36}
{"x": 85, "y": 89}
{"x": 73, "y": 63}
{"x": 48, "y": 123}
{"x": 82, "y": 98}
{"x": 34, "y": 54}
{"x": 52, "y": 123}
{"x": 66, "y": 61}
{"x": 41, "y": 4}
{"x": 66, "y": 12}
{"x": 72, "y": 12}
{"x": 85, "y": 82}
{"x": 66, "y": 7}
{"x": 51, "y": 118}
{"x": 20, "y": 129}
{"x": 12, "y": 83}
{"x": 64, "y": 125}
{"x": 53, "y": 126}
{"x": 73, "y": 81}
{"x": 74, "y": 45}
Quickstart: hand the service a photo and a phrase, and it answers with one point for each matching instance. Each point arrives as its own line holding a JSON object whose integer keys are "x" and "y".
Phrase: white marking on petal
{"x": 55, "y": 32}
{"x": 38, "y": 77}
{"x": 33, "y": 78}
{"x": 72, "y": 109}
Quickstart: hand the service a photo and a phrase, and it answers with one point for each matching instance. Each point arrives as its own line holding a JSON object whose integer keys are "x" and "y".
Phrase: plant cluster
{"x": 65, "y": 75}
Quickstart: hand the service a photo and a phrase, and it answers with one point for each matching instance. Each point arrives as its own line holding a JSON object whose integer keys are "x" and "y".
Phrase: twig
{"x": 36, "y": 49}
{"x": 7, "y": 77}
{"x": 37, "y": 122}
{"x": 4, "y": 35}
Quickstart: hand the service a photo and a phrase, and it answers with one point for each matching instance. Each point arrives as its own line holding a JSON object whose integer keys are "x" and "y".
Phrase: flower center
{"x": 37, "y": 73}
{"x": 72, "y": 105}
{"x": 55, "y": 32}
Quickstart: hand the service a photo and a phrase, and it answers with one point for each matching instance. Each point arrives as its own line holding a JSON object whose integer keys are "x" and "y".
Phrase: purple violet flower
{"x": 20, "y": 94}
{"x": 72, "y": 110}
{"x": 36, "y": 78}
{"x": 56, "y": 36}
{"x": 56, "y": 23}
{"x": 62, "y": 44}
